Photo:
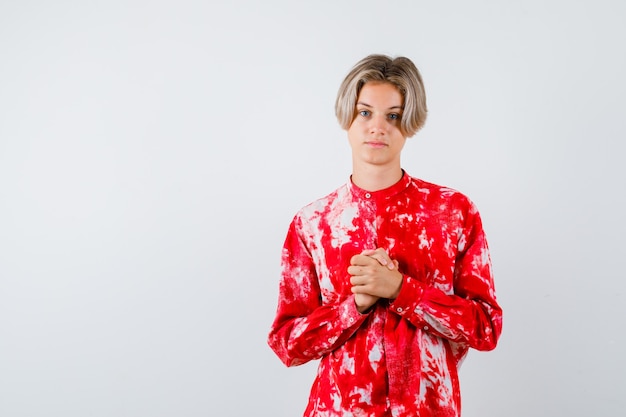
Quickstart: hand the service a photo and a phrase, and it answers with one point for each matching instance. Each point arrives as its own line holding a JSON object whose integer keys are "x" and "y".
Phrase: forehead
{"x": 380, "y": 94}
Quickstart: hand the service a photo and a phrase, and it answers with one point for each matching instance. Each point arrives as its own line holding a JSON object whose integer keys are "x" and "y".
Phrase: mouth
{"x": 376, "y": 144}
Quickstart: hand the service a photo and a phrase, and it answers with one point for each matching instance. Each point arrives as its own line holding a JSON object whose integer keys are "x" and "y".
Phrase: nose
{"x": 378, "y": 124}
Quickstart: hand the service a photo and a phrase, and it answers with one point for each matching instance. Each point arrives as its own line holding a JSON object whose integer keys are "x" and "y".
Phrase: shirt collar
{"x": 385, "y": 193}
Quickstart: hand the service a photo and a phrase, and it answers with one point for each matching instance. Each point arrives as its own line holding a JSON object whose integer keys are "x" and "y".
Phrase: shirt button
{"x": 399, "y": 309}
{"x": 367, "y": 195}
{"x": 425, "y": 327}
{"x": 350, "y": 320}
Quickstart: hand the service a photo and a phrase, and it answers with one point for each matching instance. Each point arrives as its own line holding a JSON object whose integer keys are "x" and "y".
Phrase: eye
{"x": 394, "y": 116}
{"x": 364, "y": 113}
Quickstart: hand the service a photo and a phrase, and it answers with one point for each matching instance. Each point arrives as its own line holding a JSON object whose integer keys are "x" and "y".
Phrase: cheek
{"x": 355, "y": 125}
{"x": 354, "y": 132}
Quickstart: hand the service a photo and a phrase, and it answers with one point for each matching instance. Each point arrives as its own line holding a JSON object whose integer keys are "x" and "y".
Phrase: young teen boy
{"x": 387, "y": 280}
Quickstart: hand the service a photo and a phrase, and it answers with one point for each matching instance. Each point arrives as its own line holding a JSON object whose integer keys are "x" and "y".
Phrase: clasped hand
{"x": 373, "y": 275}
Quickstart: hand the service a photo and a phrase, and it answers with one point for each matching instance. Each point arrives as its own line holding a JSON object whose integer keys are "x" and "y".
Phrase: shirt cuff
{"x": 409, "y": 297}
{"x": 348, "y": 313}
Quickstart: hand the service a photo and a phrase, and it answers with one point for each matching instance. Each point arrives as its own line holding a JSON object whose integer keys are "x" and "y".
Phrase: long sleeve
{"x": 469, "y": 314}
{"x": 303, "y": 328}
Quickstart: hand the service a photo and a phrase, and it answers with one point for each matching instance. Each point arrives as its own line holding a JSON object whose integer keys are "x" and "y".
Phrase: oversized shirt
{"x": 401, "y": 358}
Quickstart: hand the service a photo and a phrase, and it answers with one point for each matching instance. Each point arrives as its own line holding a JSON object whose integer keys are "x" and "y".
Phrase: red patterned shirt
{"x": 402, "y": 357}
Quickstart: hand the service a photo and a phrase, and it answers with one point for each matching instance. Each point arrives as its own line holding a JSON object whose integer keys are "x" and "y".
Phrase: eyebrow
{"x": 390, "y": 108}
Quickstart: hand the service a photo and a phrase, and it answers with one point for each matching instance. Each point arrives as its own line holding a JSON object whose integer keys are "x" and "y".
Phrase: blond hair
{"x": 401, "y": 73}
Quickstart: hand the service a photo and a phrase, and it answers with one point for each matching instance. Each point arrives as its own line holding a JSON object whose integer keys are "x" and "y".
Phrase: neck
{"x": 376, "y": 178}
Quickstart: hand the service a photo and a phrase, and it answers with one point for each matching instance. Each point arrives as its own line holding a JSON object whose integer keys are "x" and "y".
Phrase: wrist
{"x": 395, "y": 294}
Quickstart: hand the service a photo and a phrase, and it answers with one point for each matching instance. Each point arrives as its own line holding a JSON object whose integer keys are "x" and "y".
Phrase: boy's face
{"x": 374, "y": 135}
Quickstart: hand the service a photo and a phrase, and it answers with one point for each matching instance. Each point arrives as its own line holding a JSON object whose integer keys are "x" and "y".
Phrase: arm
{"x": 303, "y": 328}
{"x": 471, "y": 314}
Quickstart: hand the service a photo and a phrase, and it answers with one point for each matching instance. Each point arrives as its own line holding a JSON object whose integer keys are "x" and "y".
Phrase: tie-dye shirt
{"x": 400, "y": 358}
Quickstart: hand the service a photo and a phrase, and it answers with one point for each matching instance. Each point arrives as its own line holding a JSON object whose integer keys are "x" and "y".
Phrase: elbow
{"x": 286, "y": 356}
{"x": 488, "y": 340}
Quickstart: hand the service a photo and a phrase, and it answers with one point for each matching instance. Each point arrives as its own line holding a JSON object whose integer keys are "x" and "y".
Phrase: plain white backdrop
{"x": 152, "y": 154}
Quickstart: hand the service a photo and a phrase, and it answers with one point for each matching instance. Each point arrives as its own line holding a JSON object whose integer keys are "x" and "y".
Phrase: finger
{"x": 357, "y": 280}
{"x": 388, "y": 262}
{"x": 360, "y": 274}
{"x": 361, "y": 289}
{"x": 357, "y": 289}
{"x": 371, "y": 269}
{"x": 381, "y": 256}
{"x": 361, "y": 260}
{"x": 355, "y": 270}
{"x": 378, "y": 254}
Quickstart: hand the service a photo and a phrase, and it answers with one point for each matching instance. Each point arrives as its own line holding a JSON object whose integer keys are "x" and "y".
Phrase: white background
{"x": 152, "y": 154}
